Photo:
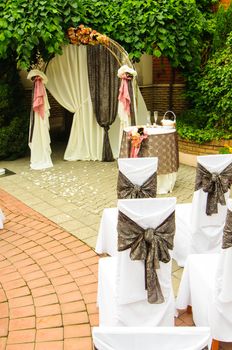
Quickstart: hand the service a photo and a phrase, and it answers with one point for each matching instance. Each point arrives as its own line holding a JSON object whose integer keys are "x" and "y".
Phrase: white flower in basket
{"x": 169, "y": 123}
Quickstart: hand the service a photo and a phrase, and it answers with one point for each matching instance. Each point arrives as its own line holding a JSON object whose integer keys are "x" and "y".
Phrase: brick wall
{"x": 161, "y": 70}
{"x": 212, "y": 147}
{"x": 156, "y": 98}
{"x": 157, "y": 95}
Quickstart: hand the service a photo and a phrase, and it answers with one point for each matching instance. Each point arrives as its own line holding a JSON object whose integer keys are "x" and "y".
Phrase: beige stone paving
{"x": 74, "y": 194}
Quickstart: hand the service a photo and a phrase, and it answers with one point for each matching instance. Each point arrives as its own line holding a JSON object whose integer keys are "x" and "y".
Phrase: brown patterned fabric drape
{"x": 216, "y": 185}
{"x": 132, "y": 109}
{"x": 227, "y": 232}
{"x": 150, "y": 245}
{"x": 104, "y": 87}
{"x": 127, "y": 190}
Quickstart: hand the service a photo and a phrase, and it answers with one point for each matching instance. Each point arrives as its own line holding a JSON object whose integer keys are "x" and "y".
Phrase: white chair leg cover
{"x": 183, "y": 234}
{"x": 107, "y": 234}
{"x": 166, "y": 183}
{"x": 220, "y": 312}
{"x": 132, "y": 314}
{"x": 151, "y": 338}
{"x": 2, "y": 218}
{"x": 196, "y": 286}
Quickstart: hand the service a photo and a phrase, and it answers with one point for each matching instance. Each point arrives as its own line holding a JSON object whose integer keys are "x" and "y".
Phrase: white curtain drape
{"x": 68, "y": 83}
{"x": 40, "y": 143}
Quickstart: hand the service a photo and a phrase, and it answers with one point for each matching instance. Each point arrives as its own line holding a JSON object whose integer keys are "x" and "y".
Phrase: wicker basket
{"x": 169, "y": 123}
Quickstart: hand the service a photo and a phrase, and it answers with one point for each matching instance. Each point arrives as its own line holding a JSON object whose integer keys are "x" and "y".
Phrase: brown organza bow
{"x": 151, "y": 245}
{"x": 216, "y": 185}
{"x": 227, "y": 232}
{"x": 126, "y": 189}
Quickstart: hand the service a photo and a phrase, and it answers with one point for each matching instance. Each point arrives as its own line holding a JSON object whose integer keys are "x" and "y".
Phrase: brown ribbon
{"x": 126, "y": 189}
{"x": 215, "y": 184}
{"x": 227, "y": 232}
{"x": 151, "y": 245}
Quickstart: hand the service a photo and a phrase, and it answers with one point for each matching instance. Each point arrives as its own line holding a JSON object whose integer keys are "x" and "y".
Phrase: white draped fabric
{"x": 40, "y": 142}
{"x": 2, "y": 218}
{"x": 122, "y": 297}
{"x": 151, "y": 338}
{"x": 206, "y": 284}
{"x": 68, "y": 83}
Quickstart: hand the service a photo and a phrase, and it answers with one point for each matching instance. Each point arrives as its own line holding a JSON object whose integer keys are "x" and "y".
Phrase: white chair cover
{"x": 137, "y": 170}
{"x": 122, "y": 297}
{"x": 197, "y": 232}
{"x": 2, "y": 218}
{"x": 107, "y": 239}
{"x": 151, "y": 338}
{"x": 206, "y": 284}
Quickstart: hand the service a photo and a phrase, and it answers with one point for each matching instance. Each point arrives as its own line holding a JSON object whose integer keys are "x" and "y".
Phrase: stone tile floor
{"x": 48, "y": 271}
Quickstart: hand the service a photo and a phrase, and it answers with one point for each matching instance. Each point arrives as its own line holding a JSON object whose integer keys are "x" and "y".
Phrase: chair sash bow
{"x": 215, "y": 184}
{"x": 151, "y": 245}
{"x": 227, "y": 232}
{"x": 126, "y": 189}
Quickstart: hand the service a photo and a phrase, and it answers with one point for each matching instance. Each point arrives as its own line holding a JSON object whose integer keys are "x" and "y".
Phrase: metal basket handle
{"x": 172, "y": 114}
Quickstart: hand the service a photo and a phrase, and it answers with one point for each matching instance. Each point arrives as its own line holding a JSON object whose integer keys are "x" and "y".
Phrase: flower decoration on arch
{"x": 86, "y": 36}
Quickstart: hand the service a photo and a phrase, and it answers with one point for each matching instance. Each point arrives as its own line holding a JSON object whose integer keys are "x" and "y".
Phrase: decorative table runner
{"x": 164, "y": 146}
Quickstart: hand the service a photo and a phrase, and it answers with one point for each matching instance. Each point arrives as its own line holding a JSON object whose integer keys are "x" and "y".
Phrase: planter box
{"x": 189, "y": 150}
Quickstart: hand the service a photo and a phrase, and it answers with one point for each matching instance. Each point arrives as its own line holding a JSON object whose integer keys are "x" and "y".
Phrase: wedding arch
{"x": 94, "y": 80}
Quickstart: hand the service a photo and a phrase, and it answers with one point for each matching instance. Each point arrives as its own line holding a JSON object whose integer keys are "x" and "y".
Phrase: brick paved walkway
{"x": 48, "y": 283}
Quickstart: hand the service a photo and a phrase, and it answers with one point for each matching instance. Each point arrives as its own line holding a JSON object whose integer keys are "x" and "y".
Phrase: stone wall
{"x": 190, "y": 147}
{"x": 156, "y": 97}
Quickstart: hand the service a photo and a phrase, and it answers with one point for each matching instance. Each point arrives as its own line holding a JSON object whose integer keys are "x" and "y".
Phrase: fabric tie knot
{"x": 126, "y": 189}
{"x": 149, "y": 235}
{"x": 136, "y": 190}
{"x": 215, "y": 177}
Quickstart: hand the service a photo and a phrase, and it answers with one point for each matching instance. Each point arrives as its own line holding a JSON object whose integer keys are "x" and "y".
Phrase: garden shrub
{"x": 209, "y": 92}
{"x": 14, "y": 119}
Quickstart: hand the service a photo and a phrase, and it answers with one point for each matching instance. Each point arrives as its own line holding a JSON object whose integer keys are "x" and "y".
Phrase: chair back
{"x": 207, "y": 229}
{"x": 146, "y": 213}
{"x": 151, "y": 338}
{"x": 137, "y": 171}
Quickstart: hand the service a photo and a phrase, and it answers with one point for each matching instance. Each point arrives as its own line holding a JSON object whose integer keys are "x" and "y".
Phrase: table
{"x": 161, "y": 143}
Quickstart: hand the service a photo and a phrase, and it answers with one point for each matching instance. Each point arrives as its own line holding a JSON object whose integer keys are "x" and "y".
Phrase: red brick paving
{"x": 45, "y": 302}
{"x": 48, "y": 284}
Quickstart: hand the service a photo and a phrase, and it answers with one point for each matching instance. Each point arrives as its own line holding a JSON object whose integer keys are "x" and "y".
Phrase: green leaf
{"x": 157, "y": 53}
